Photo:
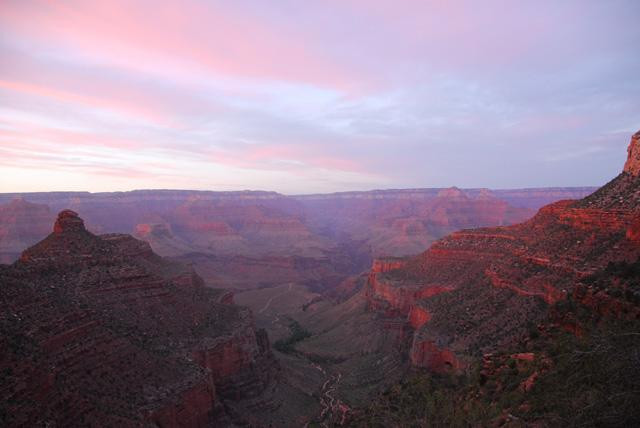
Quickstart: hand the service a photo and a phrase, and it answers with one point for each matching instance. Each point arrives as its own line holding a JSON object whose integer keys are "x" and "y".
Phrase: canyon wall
{"x": 255, "y": 224}
{"x": 251, "y": 239}
{"x": 477, "y": 290}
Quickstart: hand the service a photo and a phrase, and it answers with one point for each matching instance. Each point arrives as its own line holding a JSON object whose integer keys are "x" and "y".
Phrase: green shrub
{"x": 298, "y": 333}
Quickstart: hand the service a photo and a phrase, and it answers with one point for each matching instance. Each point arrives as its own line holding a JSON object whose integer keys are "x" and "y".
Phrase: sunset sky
{"x": 315, "y": 96}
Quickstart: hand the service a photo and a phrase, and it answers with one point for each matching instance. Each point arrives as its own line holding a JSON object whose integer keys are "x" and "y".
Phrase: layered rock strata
{"x": 477, "y": 290}
{"x": 99, "y": 330}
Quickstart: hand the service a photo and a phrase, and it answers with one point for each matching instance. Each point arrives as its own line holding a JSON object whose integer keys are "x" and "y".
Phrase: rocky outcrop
{"x": 68, "y": 222}
{"x": 382, "y": 293}
{"x": 632, "y": 166}
{"x": 387, "y": 264}
{"x": 418, "y": 316}
{"x": 426, "y": 354}
{"x": 633, "y": 232}
{"x": 241, "y": 361}
{"x": 100, "y": 330}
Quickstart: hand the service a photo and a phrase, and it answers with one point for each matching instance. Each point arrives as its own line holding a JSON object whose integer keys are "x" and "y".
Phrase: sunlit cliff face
{"x": 632, "y": 166}
{"x": 314, "y": 97}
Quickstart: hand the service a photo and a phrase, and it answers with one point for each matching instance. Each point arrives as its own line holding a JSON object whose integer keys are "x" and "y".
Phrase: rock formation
{"x": 99, "y": 330}
{"x": 476, "y": 290}
{"x": 68, "y": 222}
{"x": 632, "y": 166}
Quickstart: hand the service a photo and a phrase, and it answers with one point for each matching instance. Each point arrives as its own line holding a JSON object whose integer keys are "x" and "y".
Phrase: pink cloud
{"x": 114, "y": 100}
{"x": 221, "y": 40}
{"x": 25, "y": 143}
{"x": 283, "y": 157}
{"x": 43, "y": 157}
{"x": 22, "y": 132}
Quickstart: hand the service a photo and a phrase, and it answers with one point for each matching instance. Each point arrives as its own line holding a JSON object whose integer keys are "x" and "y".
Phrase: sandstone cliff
{"x": 632, "y": 166}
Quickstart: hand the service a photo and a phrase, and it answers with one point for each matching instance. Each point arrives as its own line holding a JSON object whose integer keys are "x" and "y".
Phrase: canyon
{"x": 189, "y": 308}
{"x": 265, "y": 238}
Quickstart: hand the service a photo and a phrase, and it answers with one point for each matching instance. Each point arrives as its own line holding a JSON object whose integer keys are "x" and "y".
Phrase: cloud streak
{"x": 315, "y": 96}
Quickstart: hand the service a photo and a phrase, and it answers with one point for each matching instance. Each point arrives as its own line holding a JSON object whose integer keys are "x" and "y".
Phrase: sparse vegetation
{"x": 584, "y": 381}
{"x": 298, "y": 333}
{"x": 626, "y": 284}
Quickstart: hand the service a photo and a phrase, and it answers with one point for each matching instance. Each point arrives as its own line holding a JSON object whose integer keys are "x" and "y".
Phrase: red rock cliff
{"x": 632, "y": 166}
{"x": 99, "y": 330}
{"x": 476, "y": 290}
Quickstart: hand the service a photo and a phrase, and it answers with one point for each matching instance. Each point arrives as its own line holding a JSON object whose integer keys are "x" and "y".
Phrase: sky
{"x": 315, "y": 96}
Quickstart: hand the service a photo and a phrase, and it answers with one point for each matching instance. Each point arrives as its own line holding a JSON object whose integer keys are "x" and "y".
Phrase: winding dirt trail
{"x": 266, "y": 306}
